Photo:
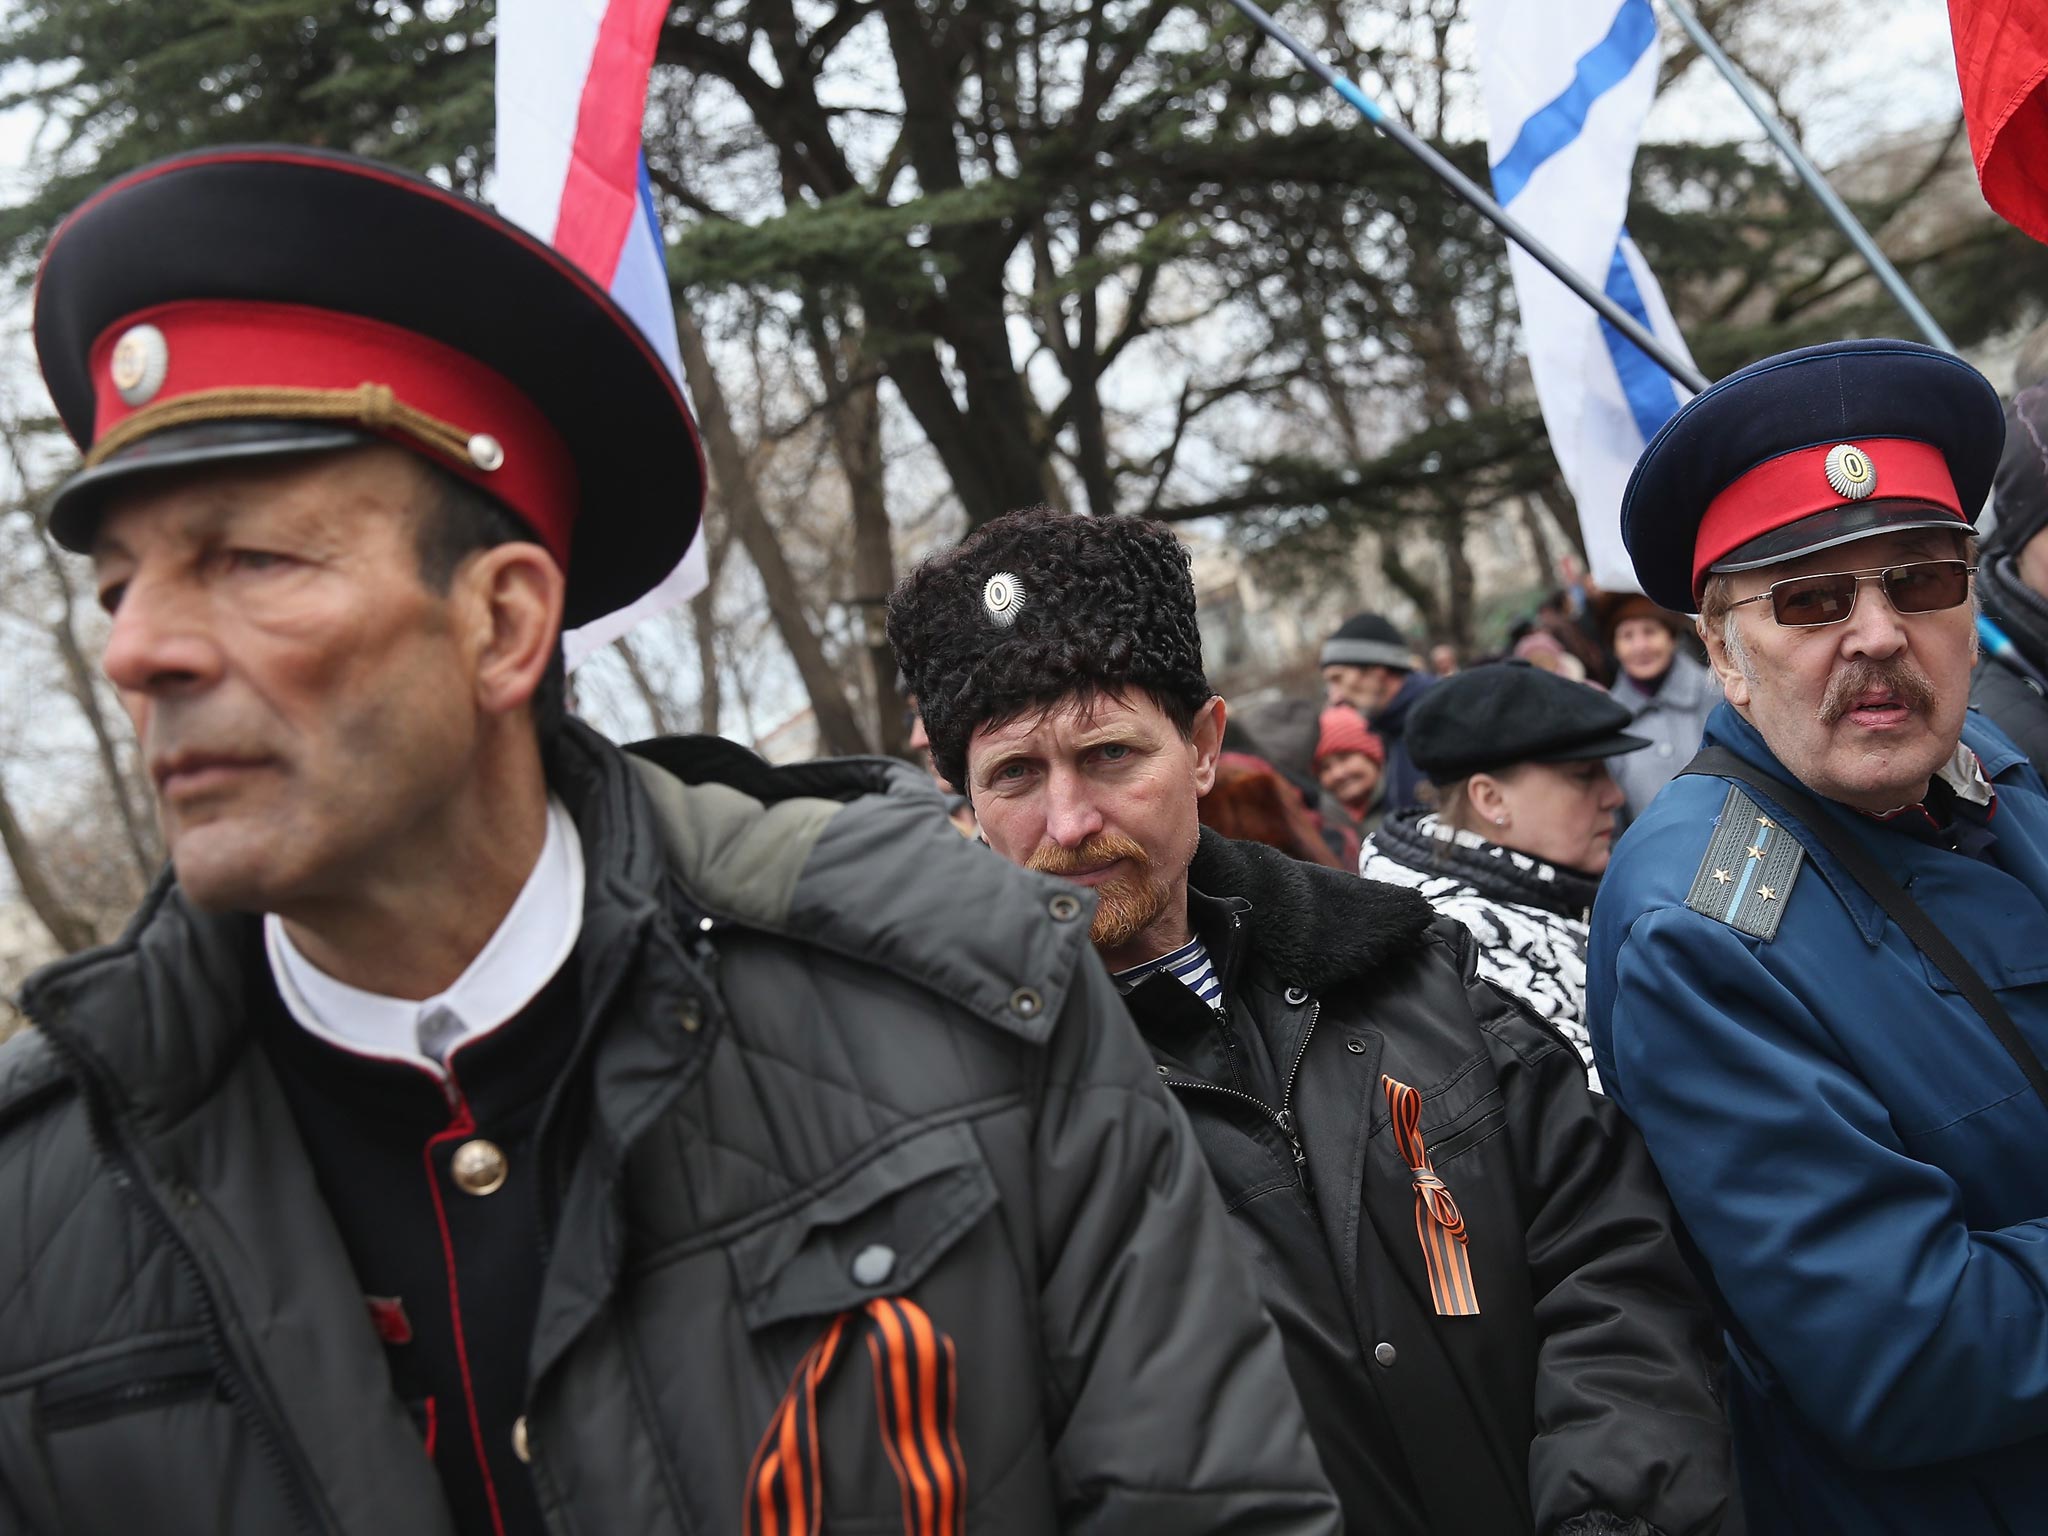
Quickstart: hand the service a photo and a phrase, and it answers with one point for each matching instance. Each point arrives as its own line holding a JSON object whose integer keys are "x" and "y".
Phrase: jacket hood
{"x": 1312, "y": 925}
{"x": 856, "y": 855}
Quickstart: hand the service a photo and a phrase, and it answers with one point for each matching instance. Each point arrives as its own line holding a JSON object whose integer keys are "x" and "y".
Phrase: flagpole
{"x": 1809, "y": 173}
{"x": 1474, "y": 195}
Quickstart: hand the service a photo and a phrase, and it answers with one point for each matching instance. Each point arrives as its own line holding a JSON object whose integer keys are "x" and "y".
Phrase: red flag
{"x": 2002, "y": 61}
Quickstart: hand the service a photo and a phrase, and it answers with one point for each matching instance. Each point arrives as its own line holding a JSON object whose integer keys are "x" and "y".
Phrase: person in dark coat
{"x": 1855, "y": 1152}
{"x": 1370, "y": 667}
{"x": 1472, "y": 1265}
{"x": 480, "y": 1131}
{"x": 2010, "y": 681}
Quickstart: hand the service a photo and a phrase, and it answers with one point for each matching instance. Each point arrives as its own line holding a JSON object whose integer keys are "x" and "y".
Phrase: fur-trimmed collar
{"x": 1313, "y": 925}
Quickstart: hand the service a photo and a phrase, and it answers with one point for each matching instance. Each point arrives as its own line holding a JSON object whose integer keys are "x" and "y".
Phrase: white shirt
{"x": 509, "y": 972}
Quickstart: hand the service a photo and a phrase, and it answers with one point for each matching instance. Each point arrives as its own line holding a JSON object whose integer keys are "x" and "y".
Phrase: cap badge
{"x": 486, "y": 452}
{"x": 1851, "y": 475}
{"x": 1003, "y": 598}
{"x": 141, "y": 359}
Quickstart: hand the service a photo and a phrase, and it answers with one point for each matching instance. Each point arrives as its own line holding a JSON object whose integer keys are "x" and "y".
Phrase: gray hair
{"x": 1717, "y": 608}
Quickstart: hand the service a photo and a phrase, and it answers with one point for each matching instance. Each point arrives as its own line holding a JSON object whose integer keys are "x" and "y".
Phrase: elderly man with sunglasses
{"x": 1818, "y": 977}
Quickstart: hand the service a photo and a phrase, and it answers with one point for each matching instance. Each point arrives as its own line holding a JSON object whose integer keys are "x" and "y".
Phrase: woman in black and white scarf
{"x": 1522, "y": 829}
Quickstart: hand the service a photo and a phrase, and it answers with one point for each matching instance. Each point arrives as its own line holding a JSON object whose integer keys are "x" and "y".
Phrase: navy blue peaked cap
{"x": 244, "y": 302}
{"x": 1806, "y": 450}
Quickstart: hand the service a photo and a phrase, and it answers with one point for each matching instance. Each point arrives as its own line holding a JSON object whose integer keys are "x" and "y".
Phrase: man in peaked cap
{"x": 1483, "y": 1303}
{"x": 1854, "y": 1147}
{"x": 480, "y": 1130}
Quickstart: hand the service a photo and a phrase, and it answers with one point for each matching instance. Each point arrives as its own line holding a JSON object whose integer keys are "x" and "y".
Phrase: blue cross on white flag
{"x": 1567, "y": 85}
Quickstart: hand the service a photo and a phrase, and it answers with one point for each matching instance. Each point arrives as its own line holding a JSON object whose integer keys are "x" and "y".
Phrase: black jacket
{"x": 1582, "y": 1389}
{"x": 2010, "y": 689}
{"x": 892, "y": 1069}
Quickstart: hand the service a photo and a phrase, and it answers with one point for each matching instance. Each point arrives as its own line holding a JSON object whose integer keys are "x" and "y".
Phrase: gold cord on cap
{"x": 367, "y": 405}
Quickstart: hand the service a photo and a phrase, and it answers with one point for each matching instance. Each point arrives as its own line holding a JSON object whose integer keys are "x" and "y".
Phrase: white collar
{"x": 1964, "y": 773}
{"x": 519, "y": 959}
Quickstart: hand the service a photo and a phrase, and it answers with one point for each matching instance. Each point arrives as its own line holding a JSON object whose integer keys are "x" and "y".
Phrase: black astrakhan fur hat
{"x": 1037, "y": 605}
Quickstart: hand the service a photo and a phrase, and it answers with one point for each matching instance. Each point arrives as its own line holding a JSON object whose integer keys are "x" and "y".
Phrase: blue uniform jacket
{"x": 1863, "y": 1169}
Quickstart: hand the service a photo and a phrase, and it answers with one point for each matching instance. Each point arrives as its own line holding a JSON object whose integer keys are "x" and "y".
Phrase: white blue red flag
{"x": 1567, "y": 84}
{"x": 572, "y": 89}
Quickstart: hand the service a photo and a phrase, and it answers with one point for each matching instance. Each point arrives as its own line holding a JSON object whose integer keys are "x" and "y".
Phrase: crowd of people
{"x": 1594, "y": 1092}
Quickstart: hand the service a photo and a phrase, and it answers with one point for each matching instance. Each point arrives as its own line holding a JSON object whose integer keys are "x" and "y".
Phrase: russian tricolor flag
{"x": 572, "y": 90}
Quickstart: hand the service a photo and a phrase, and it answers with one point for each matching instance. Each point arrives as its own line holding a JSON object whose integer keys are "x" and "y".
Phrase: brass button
{"x": 1026, "y": 1003}
{"x": 521, "y": 1446}
{"x": 479, "y": 1167}
{"x": 692, "y": 1018}
{"x": 1064, "y": 908}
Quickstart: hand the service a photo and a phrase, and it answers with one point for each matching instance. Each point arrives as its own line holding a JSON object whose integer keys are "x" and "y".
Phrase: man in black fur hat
{"x": 1469, "y": 1257}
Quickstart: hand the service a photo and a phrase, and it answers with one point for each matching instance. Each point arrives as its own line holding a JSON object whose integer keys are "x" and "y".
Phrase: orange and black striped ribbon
{"x": 917, "y": 1394}
{"x": 1439, "y": 1224}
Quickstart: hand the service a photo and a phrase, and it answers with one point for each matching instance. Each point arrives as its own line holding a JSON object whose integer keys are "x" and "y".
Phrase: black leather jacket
{"x": 1580, "y": 1398}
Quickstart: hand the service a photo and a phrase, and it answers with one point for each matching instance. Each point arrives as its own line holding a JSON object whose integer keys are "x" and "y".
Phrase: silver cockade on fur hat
{"x": 1002, "y": 596}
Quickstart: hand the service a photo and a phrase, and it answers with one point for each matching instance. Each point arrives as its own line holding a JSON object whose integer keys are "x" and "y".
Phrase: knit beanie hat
{"x": 1368, "y": 640}
{"x": 1037, "y": 605}
{"x": 1344, "y": 731}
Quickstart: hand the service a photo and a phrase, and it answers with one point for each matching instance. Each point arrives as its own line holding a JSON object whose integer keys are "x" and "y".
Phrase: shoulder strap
{"x": 1912, "y": 918}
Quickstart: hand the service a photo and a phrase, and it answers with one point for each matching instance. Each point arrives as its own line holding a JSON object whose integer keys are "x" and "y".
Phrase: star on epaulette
{"x": 1745, "y": 876}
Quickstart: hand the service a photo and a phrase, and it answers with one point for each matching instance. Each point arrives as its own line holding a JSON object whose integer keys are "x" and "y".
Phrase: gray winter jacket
{"x": 886, "y": 1039}
{"x": 1672, "y": 719}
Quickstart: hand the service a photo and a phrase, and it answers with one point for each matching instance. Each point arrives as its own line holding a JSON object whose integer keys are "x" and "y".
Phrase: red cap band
{"x": 234, "y": 345}
{"x": 1780, "y": 491}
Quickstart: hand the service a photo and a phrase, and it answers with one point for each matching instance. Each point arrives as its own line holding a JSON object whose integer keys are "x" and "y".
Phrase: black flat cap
{"x": 1807, "y": 450}
{"x": 1507, "y": 712}
{"x": 238, "y": 303}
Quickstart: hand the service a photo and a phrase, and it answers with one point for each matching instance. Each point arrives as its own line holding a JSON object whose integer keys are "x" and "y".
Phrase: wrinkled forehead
{"x": 1073, "y": 719}
{"x": 355, "y": 498}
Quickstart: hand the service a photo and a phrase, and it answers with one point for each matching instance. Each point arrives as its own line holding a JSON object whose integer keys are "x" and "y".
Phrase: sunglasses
{"x": 1925, "y": 586}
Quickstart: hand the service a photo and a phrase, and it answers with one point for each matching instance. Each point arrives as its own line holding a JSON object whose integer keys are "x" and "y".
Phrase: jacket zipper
{"x": 1283, "y": 1117}
{"x": 236, "y": 1383}
{"x": 126, "y": 1398}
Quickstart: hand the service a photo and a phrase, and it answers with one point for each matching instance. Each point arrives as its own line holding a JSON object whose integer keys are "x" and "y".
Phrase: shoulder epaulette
{"x": 1746, "y": 877}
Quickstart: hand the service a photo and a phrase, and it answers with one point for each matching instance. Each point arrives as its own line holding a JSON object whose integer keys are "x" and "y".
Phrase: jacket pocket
{"x": 146, "y": 1440}
{"x": 153, "y": 1376}
{"x": 874, "y": 1229}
